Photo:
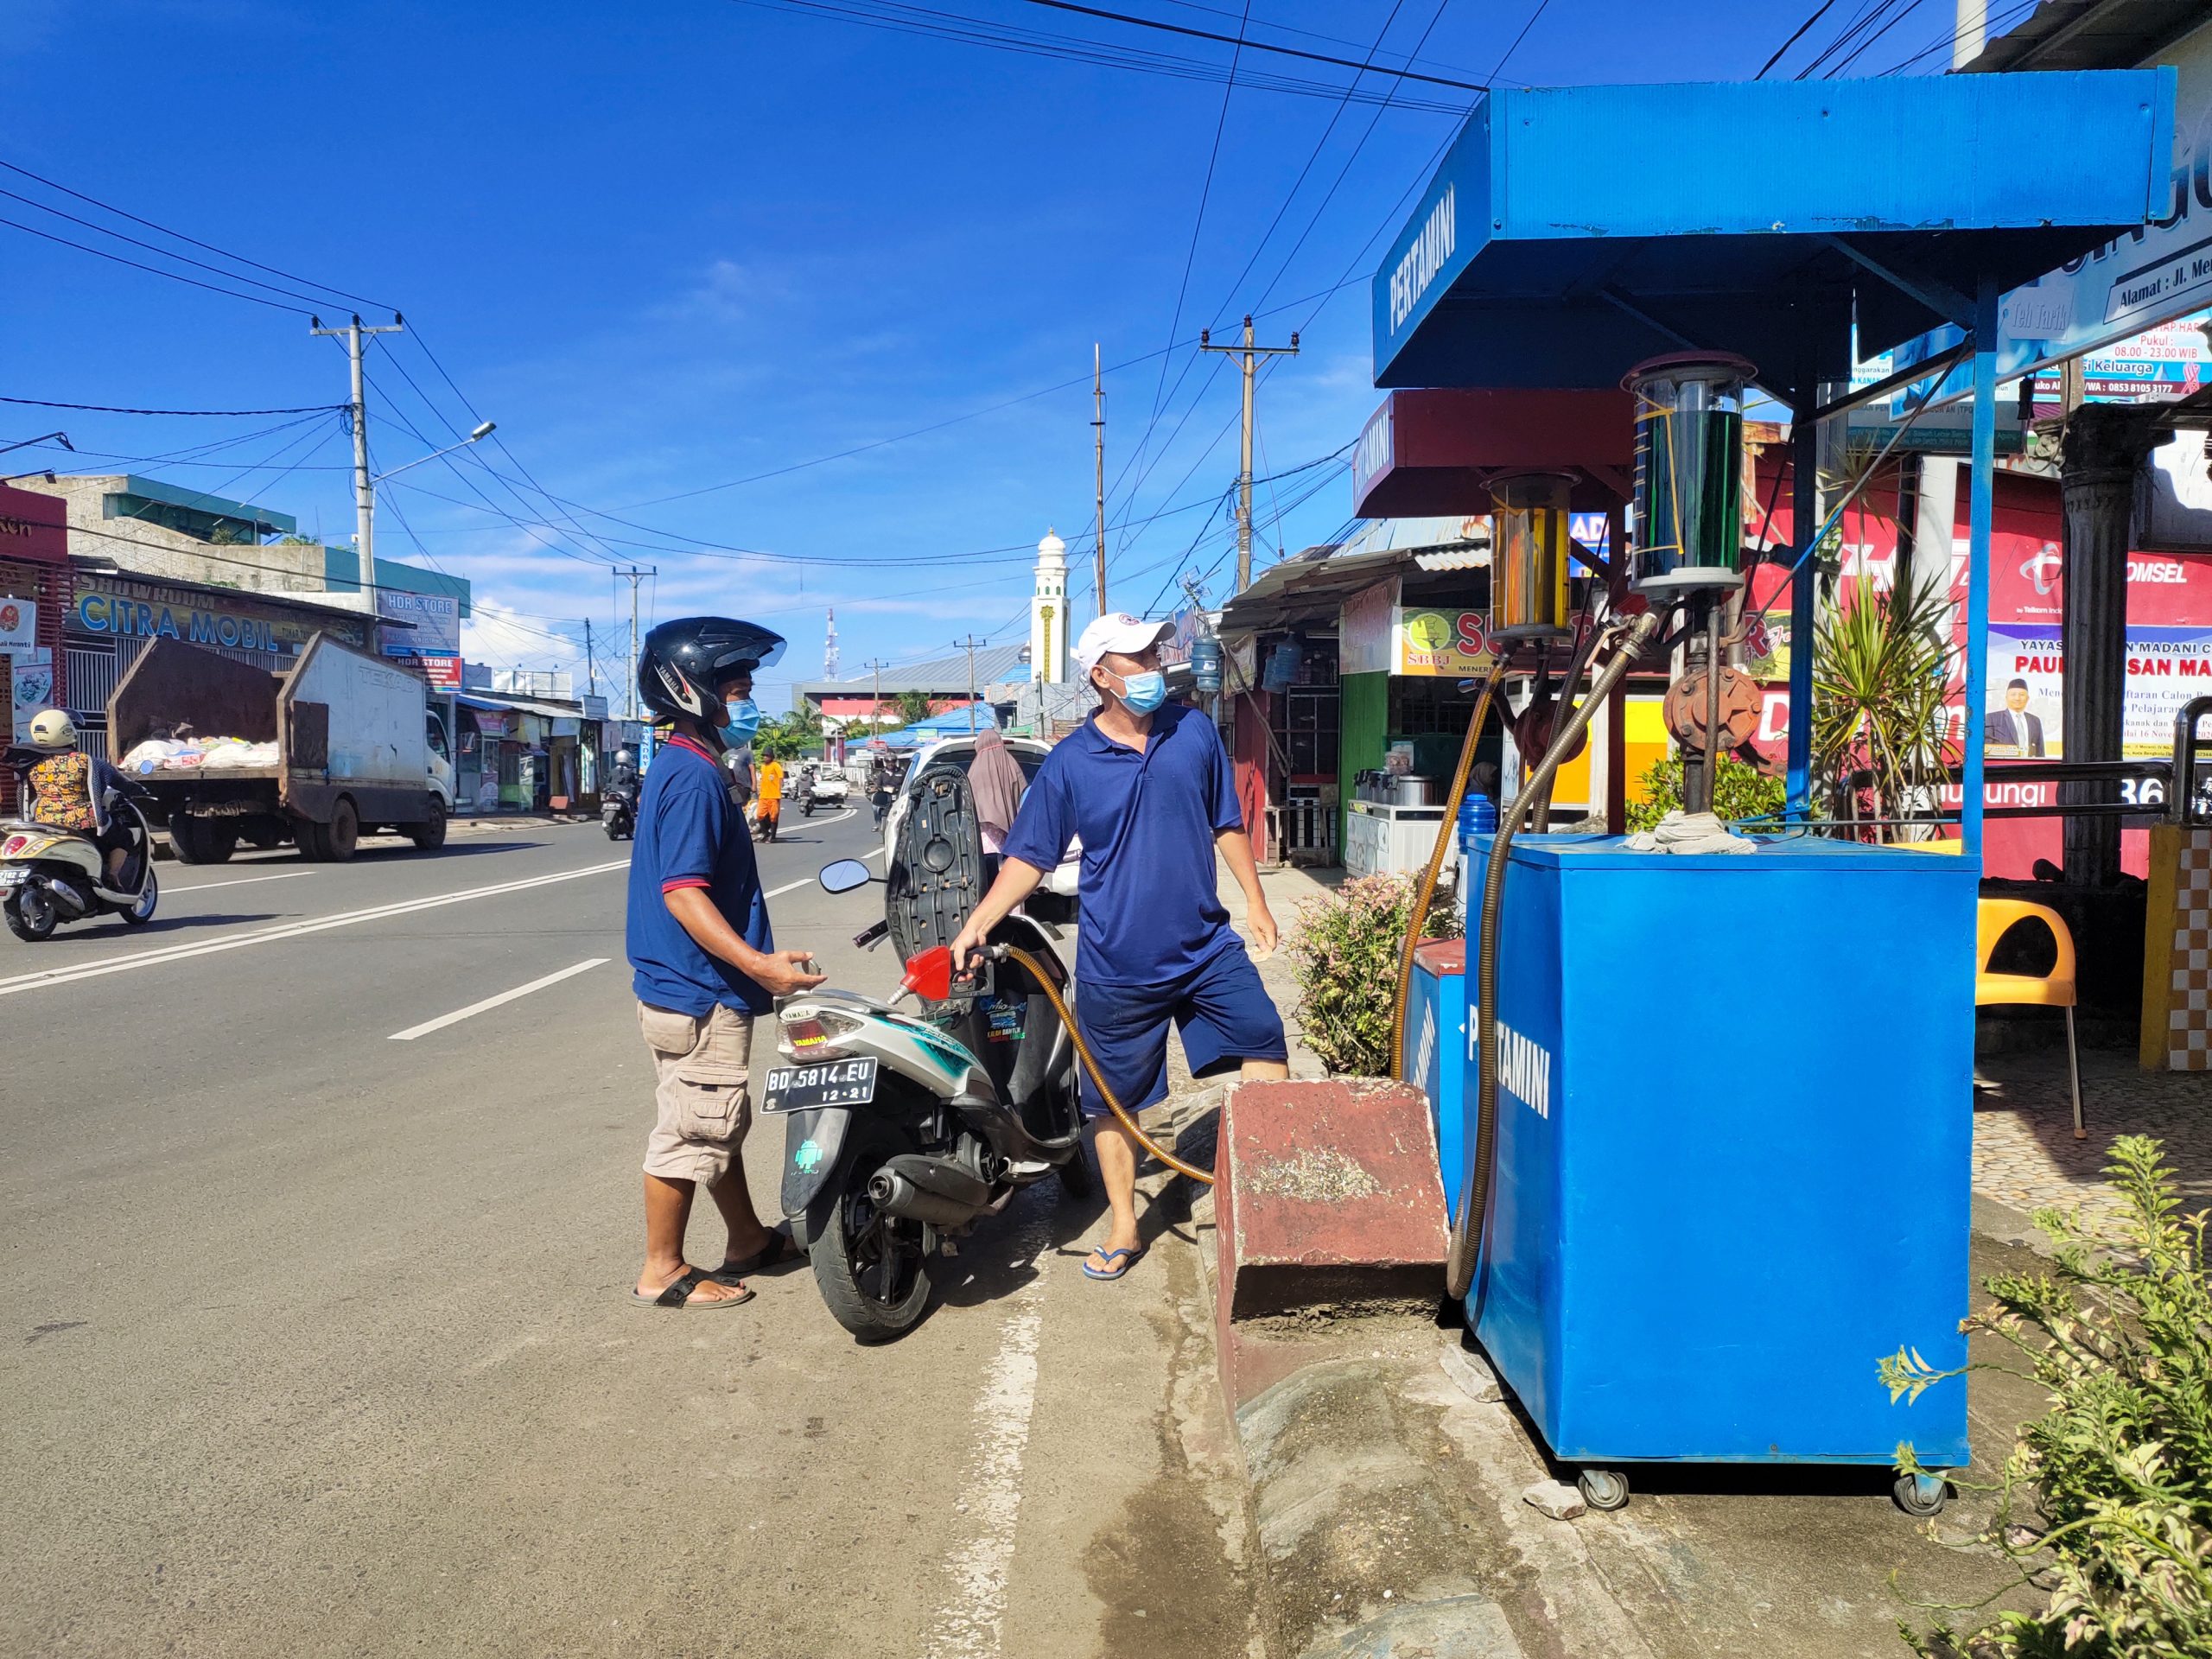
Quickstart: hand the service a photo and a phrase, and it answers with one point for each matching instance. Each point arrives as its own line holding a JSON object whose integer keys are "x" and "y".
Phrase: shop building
{"x": 35, "y": 590}
{"x": 527, "y": 742}
{"x": 112, "y": 613}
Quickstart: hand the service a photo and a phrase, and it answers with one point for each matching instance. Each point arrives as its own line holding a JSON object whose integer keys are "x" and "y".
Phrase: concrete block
{"x": 1473, "y": 1375}
{"x": 1555, "y": 1498}
{"x": 1327, "y": 1199}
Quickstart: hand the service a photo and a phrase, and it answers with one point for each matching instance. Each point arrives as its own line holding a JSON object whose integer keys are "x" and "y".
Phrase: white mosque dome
{"x": 1052, "y": 549}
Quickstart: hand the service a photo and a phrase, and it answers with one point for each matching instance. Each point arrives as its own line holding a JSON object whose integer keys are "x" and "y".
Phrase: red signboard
{"x": 440, "y": 669}
{"x": 33, "y": 527}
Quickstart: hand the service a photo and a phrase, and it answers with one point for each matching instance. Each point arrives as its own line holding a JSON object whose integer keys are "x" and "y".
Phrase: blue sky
{"x": 668, "y": 245}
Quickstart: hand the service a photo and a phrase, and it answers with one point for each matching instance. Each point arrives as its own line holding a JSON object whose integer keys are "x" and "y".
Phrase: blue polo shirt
{"x": 1151, "y": 912}
{"x": 691, "y": 835}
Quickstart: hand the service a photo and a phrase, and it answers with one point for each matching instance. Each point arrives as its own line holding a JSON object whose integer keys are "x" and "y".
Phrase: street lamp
{"x": 483, "y": 431}
{"x": 60, "y": 437}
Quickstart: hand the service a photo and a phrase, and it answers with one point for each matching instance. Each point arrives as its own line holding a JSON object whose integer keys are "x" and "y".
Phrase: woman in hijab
{"x": 996, "y": 778}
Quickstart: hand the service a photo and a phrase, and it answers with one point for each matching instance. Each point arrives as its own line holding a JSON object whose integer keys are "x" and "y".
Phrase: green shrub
{"x": 1741, "y": 792}
{"x": 2119, "y": 1468}
{"x": 1347, "y": 950}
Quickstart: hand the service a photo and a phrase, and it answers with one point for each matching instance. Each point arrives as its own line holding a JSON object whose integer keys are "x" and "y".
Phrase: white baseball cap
{"x": 1118, "y": 631}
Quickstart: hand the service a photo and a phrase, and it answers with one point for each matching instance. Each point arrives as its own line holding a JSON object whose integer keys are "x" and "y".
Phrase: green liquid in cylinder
{"x": 1689, "y": 489}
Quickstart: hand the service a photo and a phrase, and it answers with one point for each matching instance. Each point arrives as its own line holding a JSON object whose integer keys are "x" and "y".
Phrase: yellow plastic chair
{"x": 1993, "y": 919}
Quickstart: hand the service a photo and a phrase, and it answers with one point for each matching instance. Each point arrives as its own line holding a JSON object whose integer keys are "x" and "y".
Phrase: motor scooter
{"x": 618, "y": 813}
{"x": 903, "y": 1129}
{"x": 49, "y": 875}
{"x": 825, "y": 789}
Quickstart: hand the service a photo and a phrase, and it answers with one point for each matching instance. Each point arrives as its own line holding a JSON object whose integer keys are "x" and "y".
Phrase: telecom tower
{"x": 829, "y": 649}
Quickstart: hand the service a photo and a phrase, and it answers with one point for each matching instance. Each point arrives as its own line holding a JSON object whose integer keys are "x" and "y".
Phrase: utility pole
{"x": 364, "y": 494}
{"x": 1251, "y": 354}
{"x": 1099, "y": 421}
{"x": 636, "y": 575}
{"x": 971, "y": 642}
{"x": 591, "y": 668}
{"x": 875, "y": 667}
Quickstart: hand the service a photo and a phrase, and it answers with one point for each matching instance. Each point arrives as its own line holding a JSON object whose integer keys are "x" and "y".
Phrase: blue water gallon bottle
{"x": 1477, "y": 816}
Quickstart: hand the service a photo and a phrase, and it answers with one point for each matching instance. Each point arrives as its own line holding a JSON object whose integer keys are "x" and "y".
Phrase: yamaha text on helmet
{"x": 685, "y": 664}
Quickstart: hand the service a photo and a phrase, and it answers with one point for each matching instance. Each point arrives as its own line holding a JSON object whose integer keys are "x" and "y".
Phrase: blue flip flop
{"x": 1133, "y": 1257}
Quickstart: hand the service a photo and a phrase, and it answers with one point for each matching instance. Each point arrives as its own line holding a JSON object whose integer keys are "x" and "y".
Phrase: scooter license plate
{"x": 831, "y": 1083}
{"x": 13, "y": 877}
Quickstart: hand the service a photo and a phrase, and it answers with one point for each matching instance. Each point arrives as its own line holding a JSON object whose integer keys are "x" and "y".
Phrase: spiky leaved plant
{"x": 1882, "y": 669}
{"x": 2106, "y": 1501}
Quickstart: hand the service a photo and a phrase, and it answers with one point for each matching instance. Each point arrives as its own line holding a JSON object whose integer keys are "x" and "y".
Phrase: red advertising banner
{"x": 2168, "y": 640}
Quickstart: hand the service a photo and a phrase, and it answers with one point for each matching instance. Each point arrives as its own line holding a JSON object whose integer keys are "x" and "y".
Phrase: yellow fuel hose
{"x": 1051, "y": 994}
{"x": 1444, "y": 834}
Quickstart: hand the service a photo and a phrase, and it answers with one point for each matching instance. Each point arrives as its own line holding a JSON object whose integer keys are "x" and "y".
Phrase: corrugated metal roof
{"x": 943, "y": 677}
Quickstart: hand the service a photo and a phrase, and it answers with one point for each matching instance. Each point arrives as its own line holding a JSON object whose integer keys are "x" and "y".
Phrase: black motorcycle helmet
{"x": 683, "y": 661}
{"x": 625, "y": 756}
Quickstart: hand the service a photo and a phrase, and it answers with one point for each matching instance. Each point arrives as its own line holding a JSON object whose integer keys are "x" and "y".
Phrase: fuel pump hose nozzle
{"x": 1037, "y": 972}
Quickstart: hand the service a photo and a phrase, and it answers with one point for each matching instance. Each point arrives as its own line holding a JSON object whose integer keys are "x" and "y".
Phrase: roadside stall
{"x": 1700, "y": 1253}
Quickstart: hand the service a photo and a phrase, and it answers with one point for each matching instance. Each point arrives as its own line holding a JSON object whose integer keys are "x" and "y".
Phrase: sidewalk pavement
{"x": 1386, "y": 1500}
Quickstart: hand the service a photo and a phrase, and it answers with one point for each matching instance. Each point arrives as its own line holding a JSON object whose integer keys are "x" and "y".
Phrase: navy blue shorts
{"x": 1221, "y": 1008}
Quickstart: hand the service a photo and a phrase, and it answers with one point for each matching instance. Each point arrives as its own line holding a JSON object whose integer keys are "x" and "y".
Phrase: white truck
{"x": 348, "y": 739}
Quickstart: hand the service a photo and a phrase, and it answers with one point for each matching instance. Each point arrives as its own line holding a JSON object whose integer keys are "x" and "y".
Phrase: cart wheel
{"x": 1921, "y": 1495}
{"x": 1602, "y": 1489}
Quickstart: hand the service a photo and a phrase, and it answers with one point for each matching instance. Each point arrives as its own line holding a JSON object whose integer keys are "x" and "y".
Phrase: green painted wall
{"x": 1363, "y": 723}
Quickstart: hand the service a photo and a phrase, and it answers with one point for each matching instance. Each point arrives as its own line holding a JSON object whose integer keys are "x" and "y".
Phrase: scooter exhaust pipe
{"x": 894, "y": 1195}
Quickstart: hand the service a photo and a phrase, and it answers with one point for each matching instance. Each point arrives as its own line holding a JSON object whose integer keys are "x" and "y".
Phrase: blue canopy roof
{"x": 1571, "y": 232}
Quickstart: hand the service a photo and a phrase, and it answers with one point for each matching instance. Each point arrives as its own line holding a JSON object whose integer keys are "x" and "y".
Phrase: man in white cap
{"x": 1147, "y": 787}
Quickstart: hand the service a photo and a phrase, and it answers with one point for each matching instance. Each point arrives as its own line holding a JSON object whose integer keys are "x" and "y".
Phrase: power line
{"x": 165, "y": 253}
{"x": 1257, "y": 46}
{"x": 1796, "y": 36}
{"x": 175, "y": 277}
{"x": 110, "y": 409}
{"x": 179, "y": 236}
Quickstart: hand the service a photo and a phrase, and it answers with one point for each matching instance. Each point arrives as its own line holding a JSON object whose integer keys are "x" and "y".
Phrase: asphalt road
{"x": 319, "y": 1341}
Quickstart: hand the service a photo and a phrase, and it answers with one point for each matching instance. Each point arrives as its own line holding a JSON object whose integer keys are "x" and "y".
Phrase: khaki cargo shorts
{"x": 699, "y": 1065}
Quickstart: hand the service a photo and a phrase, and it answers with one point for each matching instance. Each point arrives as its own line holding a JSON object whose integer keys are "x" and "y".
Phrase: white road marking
{"x": 240, "y": 881}
{"x": 489, "y": 1002}
{"x": 269, "y": 935}
{"x": 968, "y": 1622}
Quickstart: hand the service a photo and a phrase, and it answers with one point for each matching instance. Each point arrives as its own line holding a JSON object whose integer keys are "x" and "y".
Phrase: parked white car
{"x": 1028, "y": 754}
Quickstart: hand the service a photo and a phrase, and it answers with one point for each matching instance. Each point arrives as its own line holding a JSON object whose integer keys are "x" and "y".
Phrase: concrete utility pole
{"x": 591, "y": 668}
{"x": 1251, "y": 354}
{"x": 875, "y": 667}
{"x": 971, "y": 642}
{"x": 636, "y": 575}
{"x": 1099, "y": 421}
{"x": 364, "y": 494}
{"x": 1972, "y": 33}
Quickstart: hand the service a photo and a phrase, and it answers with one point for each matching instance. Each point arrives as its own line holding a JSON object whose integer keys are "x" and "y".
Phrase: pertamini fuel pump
{"x": 1685, "y": 527}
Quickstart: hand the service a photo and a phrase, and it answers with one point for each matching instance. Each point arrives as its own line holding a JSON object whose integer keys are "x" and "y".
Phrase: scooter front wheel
{"x": 873, "y": 1275}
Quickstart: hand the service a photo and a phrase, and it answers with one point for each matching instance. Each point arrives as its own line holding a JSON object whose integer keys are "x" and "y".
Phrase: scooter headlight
{"x": 814, "y": 1037}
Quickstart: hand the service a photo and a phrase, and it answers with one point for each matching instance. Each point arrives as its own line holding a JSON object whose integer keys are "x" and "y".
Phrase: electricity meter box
{"x": 1730, "y": 1178}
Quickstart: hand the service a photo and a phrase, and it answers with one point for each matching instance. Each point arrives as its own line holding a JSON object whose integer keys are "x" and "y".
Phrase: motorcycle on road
{"x": 50, "y": 875}
{"x": 618, "y": 813}
{"x": 824, "y": 791}
{"x": 903, "y": 1129}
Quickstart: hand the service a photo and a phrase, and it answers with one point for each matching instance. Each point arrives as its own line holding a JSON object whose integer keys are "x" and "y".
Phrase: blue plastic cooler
{"x": 1733, "y": 1166}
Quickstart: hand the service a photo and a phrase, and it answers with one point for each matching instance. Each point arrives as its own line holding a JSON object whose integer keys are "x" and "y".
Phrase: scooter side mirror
{"x": 929, "y": 975}
{"x": 844, "y": 875}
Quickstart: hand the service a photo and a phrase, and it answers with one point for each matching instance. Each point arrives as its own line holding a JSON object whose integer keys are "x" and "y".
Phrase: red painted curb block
{"x": 1328, "y": 1195}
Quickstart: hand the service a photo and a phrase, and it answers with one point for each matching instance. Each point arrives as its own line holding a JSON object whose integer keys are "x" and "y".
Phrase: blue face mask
{"x": 744, "y": 721}
{"x": 1143, "y": 693}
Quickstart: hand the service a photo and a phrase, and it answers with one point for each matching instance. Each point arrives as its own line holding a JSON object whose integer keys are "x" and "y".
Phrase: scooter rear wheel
{"x": 30, "y": 915}
{"x": 873, "y": 1275}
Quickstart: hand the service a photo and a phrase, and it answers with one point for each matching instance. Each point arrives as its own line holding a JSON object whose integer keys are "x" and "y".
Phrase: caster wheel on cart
{"x": 1602, "y": 1489}
{"x": 1921, "y": 1495}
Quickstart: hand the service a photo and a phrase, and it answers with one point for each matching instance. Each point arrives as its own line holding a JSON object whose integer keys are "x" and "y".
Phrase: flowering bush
{"x": 1347, "y": 950}
{"x": 2120, "y": 1466}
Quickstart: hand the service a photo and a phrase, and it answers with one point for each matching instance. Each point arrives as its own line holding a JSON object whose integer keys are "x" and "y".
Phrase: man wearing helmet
{"x": 69, "y": 787}
{"x": 704, "y": 961}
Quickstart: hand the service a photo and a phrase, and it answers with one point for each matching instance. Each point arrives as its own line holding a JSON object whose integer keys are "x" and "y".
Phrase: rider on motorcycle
{"x": 70, "y": 787}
